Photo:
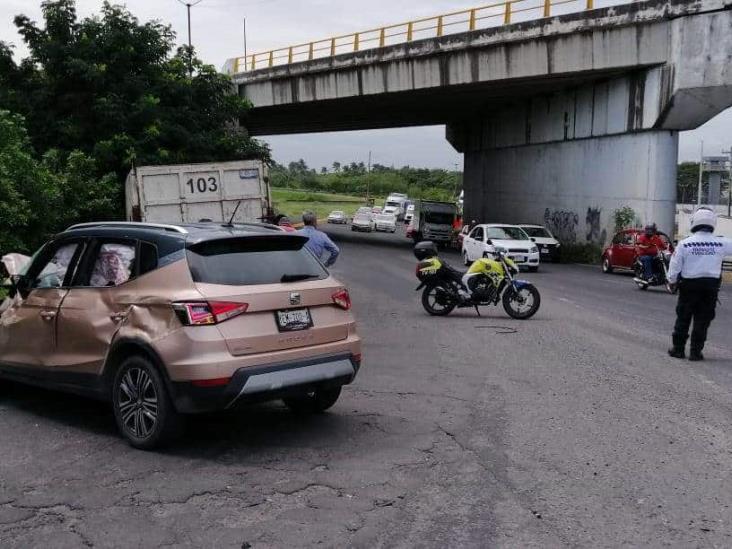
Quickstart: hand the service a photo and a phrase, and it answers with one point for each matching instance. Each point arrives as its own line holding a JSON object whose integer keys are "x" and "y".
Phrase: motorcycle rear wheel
{"x": 436, "y": 301}
{"x": 515, "y": 303}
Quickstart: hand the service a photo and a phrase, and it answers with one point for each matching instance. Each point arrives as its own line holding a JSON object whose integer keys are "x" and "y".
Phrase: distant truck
{"x": 432, "y": 221}
{"x": 396, "y": 204}
{"x": 189, "y": 193}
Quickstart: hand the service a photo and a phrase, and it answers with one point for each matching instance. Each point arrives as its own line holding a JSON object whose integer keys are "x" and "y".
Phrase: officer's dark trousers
{"x": 697, "y": 302}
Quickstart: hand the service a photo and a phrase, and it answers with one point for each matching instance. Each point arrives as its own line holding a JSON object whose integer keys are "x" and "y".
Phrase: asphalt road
{"x": 571, "y": 429}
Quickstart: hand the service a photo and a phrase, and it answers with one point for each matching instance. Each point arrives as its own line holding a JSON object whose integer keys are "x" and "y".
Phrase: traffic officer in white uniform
{"x": 696, "y": 269}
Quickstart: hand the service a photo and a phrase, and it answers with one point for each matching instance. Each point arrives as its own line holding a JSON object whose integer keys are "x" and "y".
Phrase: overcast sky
{"x": 217, "y": 28}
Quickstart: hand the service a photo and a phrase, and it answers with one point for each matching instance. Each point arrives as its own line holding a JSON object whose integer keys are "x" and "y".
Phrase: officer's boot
{"x": 677, "y": 351}
{"x": 695, "y": 352}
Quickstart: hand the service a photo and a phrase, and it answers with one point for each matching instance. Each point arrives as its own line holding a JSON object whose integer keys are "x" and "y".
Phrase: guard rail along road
{"x": 491, "y": 15}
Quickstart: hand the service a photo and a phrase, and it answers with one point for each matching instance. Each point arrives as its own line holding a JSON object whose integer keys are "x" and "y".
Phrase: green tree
{"x": 624, "y": 218}
{"x": 40, "y": 197}
{"x": 27, "y": 189}
{"x": 687, "y": 182}
{"x": 113, "y": 88}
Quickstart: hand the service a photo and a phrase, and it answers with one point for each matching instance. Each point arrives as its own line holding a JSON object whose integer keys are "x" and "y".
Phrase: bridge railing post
{"x": 356, "y": 42}
{"x": 382, "y": 37}
{"x": 547, "y": 8}
{"x": 332, "y": 47}
{"x": 254, "y": 62}
{"x": 410, "y": 31}
{"x": 471, "y": 23}
{"x": 440, "y": 25}
{"x": 271, "y": 58}
{"x": 507, "y": 16}
{"x": 590, "y": 4}
{"x": 310, "y": 52}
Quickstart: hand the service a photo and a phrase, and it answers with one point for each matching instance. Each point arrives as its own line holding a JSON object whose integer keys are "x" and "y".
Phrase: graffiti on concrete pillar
{"x": 562, "y": 223}
{"x": 595, "y": 234}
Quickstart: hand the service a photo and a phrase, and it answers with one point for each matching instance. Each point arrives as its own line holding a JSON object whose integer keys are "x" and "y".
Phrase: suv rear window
{"x": 253, "y": 260}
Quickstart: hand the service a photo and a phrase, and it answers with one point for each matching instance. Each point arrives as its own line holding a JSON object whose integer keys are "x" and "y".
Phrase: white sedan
{"x": 363, "y": 221}
{"x": 483, "y": 240}
{"x": 338, "y": 217}
{"x": 386, "y": 223}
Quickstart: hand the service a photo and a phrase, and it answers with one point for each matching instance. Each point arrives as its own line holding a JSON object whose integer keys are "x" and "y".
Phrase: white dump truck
{"x": 432, "y": 221}
{"x": 189, "y": 193}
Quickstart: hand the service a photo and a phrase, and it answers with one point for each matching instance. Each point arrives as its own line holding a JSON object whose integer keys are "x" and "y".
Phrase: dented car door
{"x": 28, "y": 326}
{"x": 96, "y": 306}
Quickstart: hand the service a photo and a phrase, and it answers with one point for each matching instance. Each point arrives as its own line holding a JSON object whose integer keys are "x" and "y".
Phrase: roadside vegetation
{"x": 356, "y": 179}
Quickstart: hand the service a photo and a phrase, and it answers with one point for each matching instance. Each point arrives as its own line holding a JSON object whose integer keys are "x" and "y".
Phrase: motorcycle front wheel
{"x": 521, "y": 304}
{"x": 436, "y": 301}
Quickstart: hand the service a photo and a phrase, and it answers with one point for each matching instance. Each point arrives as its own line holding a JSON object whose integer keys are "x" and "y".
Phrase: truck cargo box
{"x": 188, "y": 193}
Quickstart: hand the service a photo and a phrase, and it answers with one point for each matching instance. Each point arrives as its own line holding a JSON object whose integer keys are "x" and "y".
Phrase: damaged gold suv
{"x": 164, "y": 320}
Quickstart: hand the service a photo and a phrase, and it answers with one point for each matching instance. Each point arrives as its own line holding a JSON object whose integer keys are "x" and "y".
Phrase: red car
{"x": 623, "y": 250}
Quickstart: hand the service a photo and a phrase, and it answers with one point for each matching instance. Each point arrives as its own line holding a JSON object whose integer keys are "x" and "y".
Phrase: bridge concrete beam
{"x": 443, "y": 79}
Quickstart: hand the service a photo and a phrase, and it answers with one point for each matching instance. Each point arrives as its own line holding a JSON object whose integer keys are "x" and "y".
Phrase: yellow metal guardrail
{"x": 491, "y": 15}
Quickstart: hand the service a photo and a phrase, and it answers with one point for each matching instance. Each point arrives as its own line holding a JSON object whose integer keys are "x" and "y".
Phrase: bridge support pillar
{"x": 569, "y": 159}
{"x": 574, "y": 187}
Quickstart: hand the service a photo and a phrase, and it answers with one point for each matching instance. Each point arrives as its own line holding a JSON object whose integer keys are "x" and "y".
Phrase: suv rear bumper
{"x": 268, "y": 382}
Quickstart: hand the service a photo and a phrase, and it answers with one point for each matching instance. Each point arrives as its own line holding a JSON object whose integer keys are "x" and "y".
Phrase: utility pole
{"x": 729, "y": 182}
{"x": 368, "y": 180}
{"x": 457, "y": 182}
{"x": 701, "y": 173}
{"x": 188, "y": 6}
{"x": 245, "y": 41}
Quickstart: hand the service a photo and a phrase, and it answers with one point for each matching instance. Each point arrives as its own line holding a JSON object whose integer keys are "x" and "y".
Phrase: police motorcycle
{"x": 661, "y": 262}
{"x": 491, "y": 281}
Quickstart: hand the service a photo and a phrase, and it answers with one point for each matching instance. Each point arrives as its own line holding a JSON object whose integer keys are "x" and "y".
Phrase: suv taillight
{"x": 342, "y": 299}
{"x": 204, "y": 313}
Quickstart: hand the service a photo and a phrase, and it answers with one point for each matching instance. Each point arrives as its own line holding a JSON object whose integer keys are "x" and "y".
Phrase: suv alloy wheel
{"x": 144, "y": 412}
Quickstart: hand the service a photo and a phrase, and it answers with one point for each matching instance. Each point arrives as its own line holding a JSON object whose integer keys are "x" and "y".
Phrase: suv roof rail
{"x": 130, "y": 224}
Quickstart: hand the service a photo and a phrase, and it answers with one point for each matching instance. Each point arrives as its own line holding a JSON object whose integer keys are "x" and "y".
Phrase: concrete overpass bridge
{"x": 561, "y": 119}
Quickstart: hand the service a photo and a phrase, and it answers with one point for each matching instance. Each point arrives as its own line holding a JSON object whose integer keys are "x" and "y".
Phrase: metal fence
{"x": 491, "y": 15}
{"x": 727, "y": 266}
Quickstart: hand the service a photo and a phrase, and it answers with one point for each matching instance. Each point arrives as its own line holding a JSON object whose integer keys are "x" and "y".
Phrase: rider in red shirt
{"x": 648, "y": 245}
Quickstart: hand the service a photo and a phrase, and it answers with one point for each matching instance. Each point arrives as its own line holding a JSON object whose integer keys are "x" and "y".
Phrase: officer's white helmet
{"x": 703, "y": 216}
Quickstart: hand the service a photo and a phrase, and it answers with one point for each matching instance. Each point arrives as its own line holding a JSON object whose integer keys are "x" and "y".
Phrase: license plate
{"x": 293, "y": 320}
{"x": 545, "y": 250}
{"x": 518, "y": 258}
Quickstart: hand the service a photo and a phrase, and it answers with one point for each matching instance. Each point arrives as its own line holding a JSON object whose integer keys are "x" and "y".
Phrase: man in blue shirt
{"x": 318, "y": 242}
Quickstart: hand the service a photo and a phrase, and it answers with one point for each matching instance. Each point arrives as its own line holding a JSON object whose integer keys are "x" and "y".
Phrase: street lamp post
{"x": 729, "y": 182}
{"x": 701, "y": 174}
{"x": 188, "y": 6}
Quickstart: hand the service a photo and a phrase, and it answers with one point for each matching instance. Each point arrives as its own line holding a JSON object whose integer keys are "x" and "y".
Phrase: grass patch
{"x": 294, "y": 210}
{"x": 290, "y": 195}
{"x": 294, "y": 203}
